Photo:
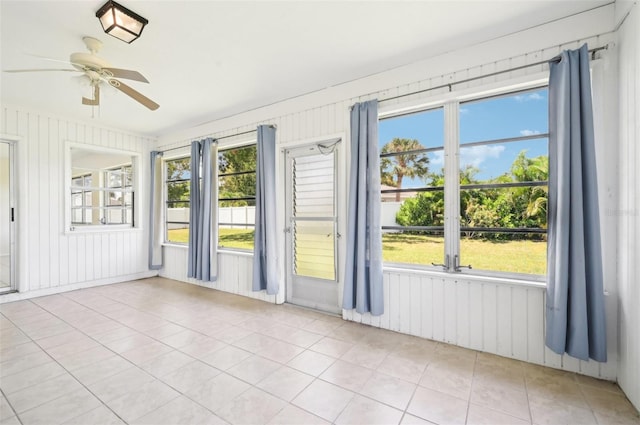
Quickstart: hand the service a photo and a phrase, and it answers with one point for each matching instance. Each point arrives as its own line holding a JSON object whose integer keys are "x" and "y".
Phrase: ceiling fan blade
{"x": 49, "y": 59}
{"x": 126, "y": 73}
{"x": 139, "y": 97}
{"x": 39, "y": 70}
{"x": 96, "y": 97}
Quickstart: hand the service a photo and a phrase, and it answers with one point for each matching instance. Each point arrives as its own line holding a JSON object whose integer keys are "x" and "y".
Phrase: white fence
{"x": 244, "y": 217}
{"x": 233, "y": 217}
{"x": 388, "y": 214}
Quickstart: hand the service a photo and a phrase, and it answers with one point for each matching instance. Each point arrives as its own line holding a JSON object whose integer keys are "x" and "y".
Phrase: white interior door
{"x": 311, "y": 233}
{"x": 7, "y": 218}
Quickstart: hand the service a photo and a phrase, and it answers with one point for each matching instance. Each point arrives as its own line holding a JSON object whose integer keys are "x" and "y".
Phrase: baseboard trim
{"x": 18, "y": 296}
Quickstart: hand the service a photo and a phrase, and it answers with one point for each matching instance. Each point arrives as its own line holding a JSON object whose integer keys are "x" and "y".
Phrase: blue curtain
{"x": 363, "y": 275}
{"x": 265, "y": 255}
{"x": 575, "y": 316}
{"x": 155, "y": 208}
{"x": 203, "y": 239}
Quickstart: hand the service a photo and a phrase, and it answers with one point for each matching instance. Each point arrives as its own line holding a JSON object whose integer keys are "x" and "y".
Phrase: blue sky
{"x": 495, "y": 118}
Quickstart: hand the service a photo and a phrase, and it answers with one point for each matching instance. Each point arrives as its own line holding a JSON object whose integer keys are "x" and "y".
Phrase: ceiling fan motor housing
{"x": 87, "y": 61}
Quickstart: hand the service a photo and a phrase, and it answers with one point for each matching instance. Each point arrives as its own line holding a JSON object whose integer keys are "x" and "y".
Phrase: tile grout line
{"x": 62, "y": 366}
{"x": 120, "y": 356}
{"x": 15, "y": 414}
{"x": 177, "y": 349}
{"x": 137, "y": 293}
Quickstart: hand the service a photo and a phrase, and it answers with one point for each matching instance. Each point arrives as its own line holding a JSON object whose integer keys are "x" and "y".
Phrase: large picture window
{"x": 494, "y": 217}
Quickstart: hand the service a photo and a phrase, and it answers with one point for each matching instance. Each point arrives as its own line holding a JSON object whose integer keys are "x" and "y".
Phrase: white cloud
{"x": 437, "y": 159}
{"x": 529, "y": 132}
{"x": 476, "y": 155}
{"x": 530, "y": 96}
{"x": 464, "y": 111}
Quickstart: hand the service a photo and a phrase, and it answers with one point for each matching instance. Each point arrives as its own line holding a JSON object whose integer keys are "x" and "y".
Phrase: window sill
{"x": 100, "y": 229}
{"x": 483, "y": 277}
{"x": 237, "y": 252}
{"x": 224, "y": 251}
{"x": 175, "y": 245}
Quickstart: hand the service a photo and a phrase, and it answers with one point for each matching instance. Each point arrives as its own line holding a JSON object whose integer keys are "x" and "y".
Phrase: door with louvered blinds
{"x": 312, "y": 228}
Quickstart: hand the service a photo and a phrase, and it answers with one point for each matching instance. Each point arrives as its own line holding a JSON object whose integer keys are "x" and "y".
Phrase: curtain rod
{"x": 492, "y": 74}
{"x": 215, "y": 138}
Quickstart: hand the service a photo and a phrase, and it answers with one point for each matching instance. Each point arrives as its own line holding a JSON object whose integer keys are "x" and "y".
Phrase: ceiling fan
{"x": 99, "y": 71}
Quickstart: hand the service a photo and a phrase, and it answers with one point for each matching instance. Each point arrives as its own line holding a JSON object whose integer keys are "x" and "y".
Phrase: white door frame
{"x": 299, "y": 150}
{"x": 13, "y": 214}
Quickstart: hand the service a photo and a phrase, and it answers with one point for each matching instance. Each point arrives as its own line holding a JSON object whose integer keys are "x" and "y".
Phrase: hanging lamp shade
{"x": 120, "y": 22}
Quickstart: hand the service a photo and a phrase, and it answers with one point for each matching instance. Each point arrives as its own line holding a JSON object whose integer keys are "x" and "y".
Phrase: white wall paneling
{"x": 628, "y": 211}
{"x": 485, "y": 314}
{"x": 234, "y": 272}
{"x": 494, "y": 316}
{"x": 49, "y": 260}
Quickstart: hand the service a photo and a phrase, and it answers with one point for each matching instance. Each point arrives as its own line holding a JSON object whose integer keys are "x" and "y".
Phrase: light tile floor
{"x": 157, "y": 351}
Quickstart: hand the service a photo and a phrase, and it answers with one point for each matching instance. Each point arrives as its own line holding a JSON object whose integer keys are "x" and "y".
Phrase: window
{"x": 81, "y": 200}
{"x": 411, "y": 164}
{"x": 237, "y": 197}
{"x": 504, "y": 165}
{"x": 101, "y": 188}
{"x": 491, "y": 212}
{"x": 178, "y": 175}
{"x": 118, "y": 200}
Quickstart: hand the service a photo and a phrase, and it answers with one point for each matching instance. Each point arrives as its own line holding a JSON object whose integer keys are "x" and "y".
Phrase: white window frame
{"x": 69, "y": 227}
{"x": 450, "y": 102}
{"x": 165, "y": 198}
{"x": 122, "y": 188}
{"x": 83, "y": 204}
{"x": 222, "y": 148}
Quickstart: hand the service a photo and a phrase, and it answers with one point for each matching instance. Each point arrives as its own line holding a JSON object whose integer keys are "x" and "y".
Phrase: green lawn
{"x": 512, "y": 256}
{"x": 236, "y": 238}
{"x": 227, "y": 238}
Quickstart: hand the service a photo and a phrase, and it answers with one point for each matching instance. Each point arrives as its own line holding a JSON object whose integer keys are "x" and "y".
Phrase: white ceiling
{"x": 210, "y": 59}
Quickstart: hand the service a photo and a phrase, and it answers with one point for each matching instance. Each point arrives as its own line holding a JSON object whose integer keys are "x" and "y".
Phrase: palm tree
{"x": 411, "y": 164}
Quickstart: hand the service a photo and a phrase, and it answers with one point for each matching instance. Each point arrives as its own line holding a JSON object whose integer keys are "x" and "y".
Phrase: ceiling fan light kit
{"x": 120, "y": 22}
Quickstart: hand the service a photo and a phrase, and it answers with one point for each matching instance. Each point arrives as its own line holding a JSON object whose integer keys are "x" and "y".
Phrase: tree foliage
{"x": 512, "y": 207}
{"x": 177, "y": 190}
{"x": 237, "y": 177}
{"x": 394, "y": 168}
{"x": 231, "y": 185}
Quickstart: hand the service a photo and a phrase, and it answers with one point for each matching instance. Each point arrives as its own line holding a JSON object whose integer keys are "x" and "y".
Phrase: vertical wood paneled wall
{"x": 50, "y": 260}
{"x": 234, "y": 272}
{"x": 490, "y": 315}
{"x": 628, "y": 212}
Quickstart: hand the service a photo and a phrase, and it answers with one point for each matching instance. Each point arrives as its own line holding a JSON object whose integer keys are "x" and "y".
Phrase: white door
{"x": 7, "y": 218}
{"x": 311, "y": 233}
